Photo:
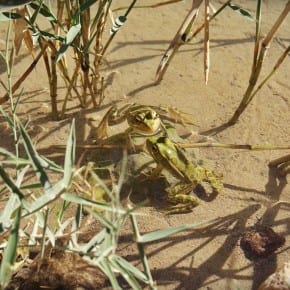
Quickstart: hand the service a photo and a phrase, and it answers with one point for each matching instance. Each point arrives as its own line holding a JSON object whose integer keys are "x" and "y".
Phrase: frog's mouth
{"x": 149, "y": 128}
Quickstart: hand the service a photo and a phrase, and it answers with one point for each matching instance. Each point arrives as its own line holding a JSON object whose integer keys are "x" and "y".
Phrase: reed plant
{"x": 185, "y": 34}
{"x": 80, "y": 26}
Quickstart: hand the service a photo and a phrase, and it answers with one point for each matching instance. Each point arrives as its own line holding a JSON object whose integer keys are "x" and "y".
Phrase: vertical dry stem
{"x": 256, "y": 71}
{"x": 178, "y": 40}
{"x": 206, "y": 41}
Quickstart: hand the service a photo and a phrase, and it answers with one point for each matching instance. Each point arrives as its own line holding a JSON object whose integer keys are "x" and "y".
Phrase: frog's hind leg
{"x": 183, "y": 202}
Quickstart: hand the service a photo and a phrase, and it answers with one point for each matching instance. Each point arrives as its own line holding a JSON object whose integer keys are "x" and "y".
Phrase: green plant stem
{"x": 113, "y": 34}
{"x": 141, "y": 251}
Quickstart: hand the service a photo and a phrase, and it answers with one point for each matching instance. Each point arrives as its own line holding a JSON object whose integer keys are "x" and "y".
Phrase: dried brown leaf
{"x": 28, "y": 41}
{"x": 19, "y": 26}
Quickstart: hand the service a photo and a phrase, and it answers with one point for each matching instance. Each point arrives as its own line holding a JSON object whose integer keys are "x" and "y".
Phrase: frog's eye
{"x": 151, "y": 115}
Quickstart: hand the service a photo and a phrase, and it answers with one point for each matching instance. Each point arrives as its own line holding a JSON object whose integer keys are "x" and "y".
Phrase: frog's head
{"x": 144, "y": 121}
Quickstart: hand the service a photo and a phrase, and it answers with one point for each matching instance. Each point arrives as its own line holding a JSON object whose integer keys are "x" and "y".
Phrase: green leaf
{"x": 50, "y": 195}
{"x": 124, "y": 271}
{"x": 160, "y": 234}
{"x": 7, "y": 16}
{"x": 241, "y": 11}
{"x": 10, "y": 184}
{"x": 71, "y": 35}
{"x": 130, "y": 268}
{"x": 88, "y": 202}
{"x": 45, "y": 11}
{"x": 10, "y": 251}
{"x": 9, "y": 211}
{"x": 69, "y": 156}
{"x": 37, "y": 162}
{"x": 107, "y": 269}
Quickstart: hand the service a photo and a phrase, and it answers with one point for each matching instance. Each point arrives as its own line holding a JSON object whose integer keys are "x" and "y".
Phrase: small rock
{"x": 261, "y": 242}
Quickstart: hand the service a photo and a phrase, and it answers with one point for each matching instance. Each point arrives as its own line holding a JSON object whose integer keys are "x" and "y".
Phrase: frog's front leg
{"x": 180, "y": 196}
{"x": 112, "y": 117}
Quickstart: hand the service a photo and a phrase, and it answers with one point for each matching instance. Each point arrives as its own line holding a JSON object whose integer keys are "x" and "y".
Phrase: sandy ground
{"x": 210, "y": 259}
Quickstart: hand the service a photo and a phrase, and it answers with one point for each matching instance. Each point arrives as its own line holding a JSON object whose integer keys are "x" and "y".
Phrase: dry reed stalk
{"x": 234, "y": 146}
{"x": 5, "y": 98}
{"x": 257, "y": 35}
{"x": 210, "y": 19}
{"x": 98, "y": 50}
{"x": 258, "y": 65}
{"x": 151, "y": 6}
{"x": 85, "y": 59}
{"x": 276, "y": 66}
{"x": 53, "y": 86}
{"x": 206, "y": 41}
{"x": 187, "y": 145}
{"x": 179, "y": 39}
{"x": 101, "y": 26}
{"x": 70, "y": 87}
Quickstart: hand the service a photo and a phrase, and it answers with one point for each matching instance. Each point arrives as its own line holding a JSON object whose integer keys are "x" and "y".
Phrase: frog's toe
{"x": 182, "y": 204}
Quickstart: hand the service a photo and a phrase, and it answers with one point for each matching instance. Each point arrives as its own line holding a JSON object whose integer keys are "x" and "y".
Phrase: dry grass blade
{"x": 234, "y": 146}
{"x": 206, "y": 40}
{"x": 178, "y": 40}
{"x": 19, "y": 26}
{"x": 185, "y": 145}
{"x": 276, "y": 66}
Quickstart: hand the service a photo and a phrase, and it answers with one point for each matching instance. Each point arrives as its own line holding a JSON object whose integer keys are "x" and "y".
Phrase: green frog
{"x": 141, "y": 119}
{"x": 171, "y": 157}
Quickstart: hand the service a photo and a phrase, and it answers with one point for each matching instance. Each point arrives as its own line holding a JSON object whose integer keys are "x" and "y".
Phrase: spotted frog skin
{"x": 169, "y": 156}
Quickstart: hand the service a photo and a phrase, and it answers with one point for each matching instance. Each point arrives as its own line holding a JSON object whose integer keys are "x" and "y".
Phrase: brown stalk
{"x": 70, "y": 87}
{"x": 53, "y": 86}
{"x": 256, "y": 71}
{"x": 5, "y": 98}
{"x": 210, "y": 19}
{"x": 179, "y": 39}
{"x": 206, "y": 41}
{"x": 234, "y": 146}
{"x": 150, "y": 6}
{"x": 189, "y": 145}
{"x": 276, "y": 66}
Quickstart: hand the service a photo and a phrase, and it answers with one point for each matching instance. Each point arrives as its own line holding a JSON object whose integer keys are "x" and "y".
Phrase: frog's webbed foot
{"x": 182, "y": 200}
{"x": 182, "y": 203}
